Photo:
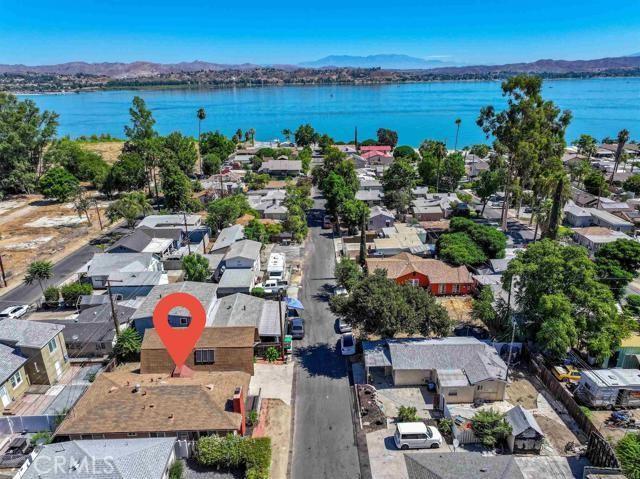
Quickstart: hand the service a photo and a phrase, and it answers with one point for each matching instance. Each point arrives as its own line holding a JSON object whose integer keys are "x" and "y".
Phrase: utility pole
{"x": 513, "y": 328}
{"x": 4, "y": 278}
{"x": 113, "y": 308}
{"x": 281, "y": 323}
{"x": 186, "y": 229}
{"x": 98, "y": 213}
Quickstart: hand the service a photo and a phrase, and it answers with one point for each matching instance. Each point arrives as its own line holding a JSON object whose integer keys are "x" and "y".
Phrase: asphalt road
{"x": 28, "y": 294}
{"x": 324, "y": 437}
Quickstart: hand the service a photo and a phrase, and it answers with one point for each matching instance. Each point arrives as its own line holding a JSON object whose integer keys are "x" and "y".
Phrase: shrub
{"x": 259, "y": 292}
{"x": 51, "y": 296}
{"x": 407, "y": 414}
{"x": 176, "y": 469}
{"x": 252, "y": 417}
{"x": 128, "y": 345}
{"x": 490, "y": 427}
{"x": 271, "y": 354}
{"x": 459, "y": 249}
{"x": 72, "y": 291}
{"x": 628, "y": 451}
{"x": 444, "y": 426}
{"x": 44, "y": 436}
{"x": 234, "y": 451}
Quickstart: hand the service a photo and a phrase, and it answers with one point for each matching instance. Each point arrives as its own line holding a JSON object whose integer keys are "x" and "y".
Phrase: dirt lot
{"x": 110, "y": 150}
{"x": 278, "y": 428}
{"x": 613, "y": 434}
{"x": 459, "y": 309}
{"x": 32, "y": 228}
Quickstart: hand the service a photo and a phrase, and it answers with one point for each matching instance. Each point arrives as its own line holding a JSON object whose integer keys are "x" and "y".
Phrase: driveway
{"x": 324, "y": 438}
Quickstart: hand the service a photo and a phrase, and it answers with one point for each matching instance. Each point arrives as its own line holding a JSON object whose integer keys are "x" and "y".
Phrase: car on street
{"x": 14, "y": 312}
{"x": 272, "y": 286}
{"x": 416, "y": 435}
{"x": 296, "y": 328}
{"x": 347, "y": 344}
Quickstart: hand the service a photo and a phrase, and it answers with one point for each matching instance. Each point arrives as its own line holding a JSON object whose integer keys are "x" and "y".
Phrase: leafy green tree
{"x": 142, "y": 122}
{"x": 595, "y": 183}
{"x": 39, "y": 271}
{"x": 84, "y": 165}
{"x": 336, "y": 192}
{"x": 488, "y": 185}
{"x": 255, "y": 181}
{"x": 130, "y": 207}
{"x": 296, "y": 223}
{"x": 387, "y": 137}
{"x": 52, "y": 296}
{"x": 305, "y": 156}
{"x": 406, "y": 152}
{"x": 59, "y": 184}
{"x": 452, "y": 171}
{"x": 128, "y": 345}
{"x": 434, "y": 149}
{"x": 126, "y": 174}
{"x": 225, "y": 211}
{"x": 483, "y": 310}
{"x": 407, "y": 414}
{"x": 397, "y": 182}
{"x": 628, "y": 451}
{"x": 492, "y": 242}
{"x": 82, "y": 204}
{"x": 201, "y": 114}
{"x": 305, "y": 135}
{"x": 618, "y": 263}
{"x": 256, "y": 231}
{"x": 480, "y": 150}
{"x": 325, "y": 142}
{"x": 428, "y": 170}
{"x": 587, "y": 146}
{"x": 24, "y": 134}
{"x": 490, "y": 427}
{"x": 355, "y": 214}
{"x": 331, "y": 159}
{"x": 633, "y": 184}
{"x": 71, "y": 292}
{"x": 176, "y": 186}
{"x": 298, "y": 196}
{"x": 459, "y": 249}
{"x": 633, "y": 304}
{"x": 196, "y": 268}
{"x": 211, "y": 164}
{"x": 429, "y": 317}
{"x": 558, "y": 331}
{"x": 216, "y": 142}
{"x": 287, "y": 134}
{"x": 182, "y": 151}
{"x": 348, "y": 273}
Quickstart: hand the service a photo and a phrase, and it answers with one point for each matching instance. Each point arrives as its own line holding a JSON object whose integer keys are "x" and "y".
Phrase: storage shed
{"x": 526, "y": 434}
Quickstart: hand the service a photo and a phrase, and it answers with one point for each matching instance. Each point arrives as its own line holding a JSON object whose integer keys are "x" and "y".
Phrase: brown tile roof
{"x": 162, "y": 404}
{"x": 228, "y": 337}
{"x": 437, "y": 271}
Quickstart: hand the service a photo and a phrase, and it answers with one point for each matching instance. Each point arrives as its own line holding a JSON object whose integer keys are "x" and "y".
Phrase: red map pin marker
{"x": 179, "y": 341}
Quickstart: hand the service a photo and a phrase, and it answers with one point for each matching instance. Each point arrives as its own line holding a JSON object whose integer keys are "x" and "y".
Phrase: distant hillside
{"x": 388, "y": 62}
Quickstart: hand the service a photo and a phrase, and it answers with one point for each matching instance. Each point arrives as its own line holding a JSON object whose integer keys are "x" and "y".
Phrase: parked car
{"x": 14, "y": 312}
{"x": 344, "y": 327}
{"x": 416, "y": 435}
{"x": 347, "y": 344}
{"x": 296, "y": 328}
{"x": 272, "y": 286}
{"x": 326, "y": 222}
{"x": 566, "y": 373}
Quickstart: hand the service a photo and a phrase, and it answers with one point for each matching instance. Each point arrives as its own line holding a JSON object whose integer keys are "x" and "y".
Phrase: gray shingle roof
{"x": 205, "y": 292}
{"x": 169, "y": 221}
{"x": 244, "y": 249}
{"x": 228, "y": 236}
{"x": 521, "y": 419}
{"x": 476, "y": 359}
{"x": 244, "y": 310}
{"x": 104, "y": 264}
{"x": 236, "y": 278}
{"x": 10, "y": 362}
{"x": 103, "y": 459}
{"x": 136, "y": 241}
{"x": 25, "y": 333}
{"x": 461, "y": 465}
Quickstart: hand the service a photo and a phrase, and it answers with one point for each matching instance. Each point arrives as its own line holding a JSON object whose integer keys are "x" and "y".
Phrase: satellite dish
{"x": 456, "y": 443}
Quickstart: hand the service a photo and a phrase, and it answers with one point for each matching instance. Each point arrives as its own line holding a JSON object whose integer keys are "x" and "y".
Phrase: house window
{"x": 53, "y": 345}
{"x": 441, "y": 289}
{"x": 184, "y": 321}
{"x": 204, "y": 356}
{"x": 414, "y": 282}
{"x": 456, "y": 288}
{"x": 452, "y": 393}
{"x": 479, "y": 388}
{"x": 132, "y": 434}
{"x": 16, "y": 380}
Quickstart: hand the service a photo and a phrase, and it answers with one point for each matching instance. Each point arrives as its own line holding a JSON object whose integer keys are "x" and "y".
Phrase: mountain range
{"x": 141, "y": 69}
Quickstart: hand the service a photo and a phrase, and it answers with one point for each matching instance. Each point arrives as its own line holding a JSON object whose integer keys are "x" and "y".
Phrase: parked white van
{"x": 416, "y": 435}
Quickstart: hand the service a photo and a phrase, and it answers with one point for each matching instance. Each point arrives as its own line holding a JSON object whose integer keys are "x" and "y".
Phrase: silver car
{"x": 14, "y": 312}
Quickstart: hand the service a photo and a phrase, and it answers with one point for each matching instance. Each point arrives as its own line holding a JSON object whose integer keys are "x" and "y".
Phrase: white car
{"x": 14, "y": 312}
{"x": 347, "y": 344}
{"x": 344, "y": 327}
{"x": 416, "y": 435}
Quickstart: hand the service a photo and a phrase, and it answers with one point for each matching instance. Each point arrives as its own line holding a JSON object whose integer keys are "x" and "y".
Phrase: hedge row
{"x": 235, "y": 451}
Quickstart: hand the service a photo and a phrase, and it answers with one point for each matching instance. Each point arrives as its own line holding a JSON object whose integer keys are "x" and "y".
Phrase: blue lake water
{"x": 601, "y": 107}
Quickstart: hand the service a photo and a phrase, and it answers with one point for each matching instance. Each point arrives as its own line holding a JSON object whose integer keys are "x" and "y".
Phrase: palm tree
{"x": 623, "y": 137}
{"x": 287, "y": 134}
{"x": 39, "y": 271}
{"x": 252, "y": 134}
{"x": 458, "y": 122}
{"x": 201, "y": 114}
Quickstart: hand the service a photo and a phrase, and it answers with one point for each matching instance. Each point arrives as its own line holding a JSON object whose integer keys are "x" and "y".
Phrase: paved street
{"x": 324, "y": 438}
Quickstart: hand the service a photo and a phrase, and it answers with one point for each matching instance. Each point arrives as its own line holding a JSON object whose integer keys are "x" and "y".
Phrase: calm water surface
{"x": 601, "y": 107}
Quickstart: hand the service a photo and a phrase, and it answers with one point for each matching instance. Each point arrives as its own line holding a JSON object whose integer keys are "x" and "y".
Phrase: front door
{"x": 6, "y": 400}
{"x": 58, "y": 369}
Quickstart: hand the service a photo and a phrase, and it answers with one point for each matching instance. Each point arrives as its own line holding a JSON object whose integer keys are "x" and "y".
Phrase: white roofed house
{"x": 593, "y": 237}
{"x": 608, "y": 220}
{"x": 103, "y": 265}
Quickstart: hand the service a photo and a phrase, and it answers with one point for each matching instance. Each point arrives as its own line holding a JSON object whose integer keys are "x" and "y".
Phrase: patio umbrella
{"x": 293, "y": 303}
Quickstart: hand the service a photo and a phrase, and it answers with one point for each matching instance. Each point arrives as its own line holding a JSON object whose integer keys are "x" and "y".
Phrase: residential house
{"x": 420, "y": 191}
{"x": 370, "y": 184}
{"x": 127, "y": 405}
{"x": 14, "y": 380}
{"x": 42, "y": 345}
{"x": 281, "y": 168}
{"x": 434, "y": 206}
{"x": 227, "y": 237}
{"x": 244, "y": 254}
{"x": 180, "y": 317}
{"x": 377, "y": 148}
{"x": 432, "y": 274}
{"x": 427, "y": 213}
{"x": 103, "y": 265}
{"x": 143, "y": 240}
{"x": 148, "y": 458}
{"x": 269, "y": 203}
{"x": 577, "y": 216}
{"x": 244, "y": 310}
{"x": 377, "y": 158}
{"x": 610, "y": 221}
{"x": 370, "y": 197}
{"x": 593, "y": 237}
{"x": 474, "y": 165}
{"x": 184, "y": 222}
{"x": 462, "y": 369}
{"x": 627, "y": 355}
{"x": 217, "y": 349}
{"x": 526, "y": 435}
{"x": 128, "y": 285}
{"x": 92, "y": 333}
{"x": 582, "y": 198}
{"x": 380, "y": 217}
{"x": 236, "y": 281}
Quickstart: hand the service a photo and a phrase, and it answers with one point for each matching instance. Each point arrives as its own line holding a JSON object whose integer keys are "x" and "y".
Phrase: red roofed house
{"x": 378, "y": 148}
{"x": 436, "y": 276}
{"x": 377, "y": 158}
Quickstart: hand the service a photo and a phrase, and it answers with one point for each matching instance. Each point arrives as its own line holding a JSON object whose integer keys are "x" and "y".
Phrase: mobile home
{"x": 609, "y": 388}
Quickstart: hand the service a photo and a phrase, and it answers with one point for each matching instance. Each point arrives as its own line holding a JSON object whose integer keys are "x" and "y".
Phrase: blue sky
{"x": 464, "y": 31}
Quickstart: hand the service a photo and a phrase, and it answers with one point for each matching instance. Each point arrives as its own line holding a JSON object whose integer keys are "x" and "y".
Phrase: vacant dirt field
{"x": 459, "y": 309}
{"x": 110, "y": 150}
{"x": 33, "y": 228}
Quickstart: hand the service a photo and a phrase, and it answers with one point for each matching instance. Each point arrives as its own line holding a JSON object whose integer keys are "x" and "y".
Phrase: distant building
{"x": 380, "y": 217}
{"x": 593, "y": 237}
{"x": 610, "y": 221}
{"x": 103, "y": 265}
{"x": 227, "y": 237}
{"x": 281, "y": 168}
